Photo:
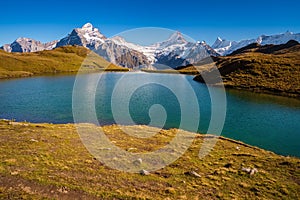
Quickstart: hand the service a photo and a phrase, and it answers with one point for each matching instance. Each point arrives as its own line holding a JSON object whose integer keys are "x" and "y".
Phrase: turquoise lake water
{"x": 267, "y": 121}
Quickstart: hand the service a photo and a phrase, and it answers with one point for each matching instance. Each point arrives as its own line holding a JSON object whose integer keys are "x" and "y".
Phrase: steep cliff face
{"x": 121, "y": 55}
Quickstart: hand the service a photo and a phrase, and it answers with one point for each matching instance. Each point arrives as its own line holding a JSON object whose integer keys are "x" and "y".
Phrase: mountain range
{"x": 226, "y": 47}
{"x": 173, "y": 52}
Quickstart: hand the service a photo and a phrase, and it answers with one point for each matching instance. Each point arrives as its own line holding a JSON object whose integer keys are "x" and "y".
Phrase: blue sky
{"x": 47, "y": 20}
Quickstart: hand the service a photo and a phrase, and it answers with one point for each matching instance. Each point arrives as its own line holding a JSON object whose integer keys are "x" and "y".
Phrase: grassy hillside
{"x": 62, "y": 59}
{"x": 46, "y": 161}
{"x": 271, "y": 68}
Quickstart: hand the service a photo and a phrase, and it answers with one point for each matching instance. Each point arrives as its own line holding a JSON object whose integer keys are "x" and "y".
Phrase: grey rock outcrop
{"x": 23, "y": 45}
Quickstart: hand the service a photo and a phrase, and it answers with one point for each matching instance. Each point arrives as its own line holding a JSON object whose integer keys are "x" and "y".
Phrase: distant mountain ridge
{"x": 173, "y": 52}
{"x": 23, "y": 44}
{"x": 225, "y": 47}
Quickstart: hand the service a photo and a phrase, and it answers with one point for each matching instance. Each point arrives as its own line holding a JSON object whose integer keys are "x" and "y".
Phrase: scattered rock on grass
{"x": 249, "y": 170}
{"x": 193, "y": 173}
{"x": 144, "y": 172}
{"x": 138, "y": 161}
{"x": 63, "y": 189}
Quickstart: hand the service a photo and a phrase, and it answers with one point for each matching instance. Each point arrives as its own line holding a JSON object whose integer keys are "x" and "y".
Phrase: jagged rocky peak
{"x": 217, "y": 43}
{"x": 221, "y": 43}
{"x": 86, "y": 36}
{"x": 89, "y": 28}
{"x": 201, "y": 42}
{"x": 177, "y": 38}
{"x": 90, "y": 32}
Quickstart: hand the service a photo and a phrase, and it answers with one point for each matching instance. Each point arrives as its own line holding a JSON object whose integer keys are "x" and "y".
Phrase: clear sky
{"x": 47, "y": 20}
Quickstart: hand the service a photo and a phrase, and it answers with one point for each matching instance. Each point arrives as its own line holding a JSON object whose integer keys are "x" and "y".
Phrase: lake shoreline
{"x": 226, "y": 85}
{"x": 27, "y": 123}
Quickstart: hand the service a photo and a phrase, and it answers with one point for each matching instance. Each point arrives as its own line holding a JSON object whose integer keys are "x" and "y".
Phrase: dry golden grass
{"x": 277, "y": 73}
{"x": 62, "y": 59}
{"x": 46, "y": 161}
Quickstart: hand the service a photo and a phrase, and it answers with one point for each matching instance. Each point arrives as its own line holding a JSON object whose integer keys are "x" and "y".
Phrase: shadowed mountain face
{"x": 270, "y": 68}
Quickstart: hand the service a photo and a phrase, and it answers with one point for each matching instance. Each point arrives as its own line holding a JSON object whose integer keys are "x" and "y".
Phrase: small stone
{"x": 228, "y": 165}
{"x": 33, "y": 140}
{"x": 144, "y": 172}
{"x": 193, "y": 173}
{"x": 253, "y": 171}
{"x": 14, "y": 173}
{"x": 237, "y": 148}
{"x": 250, "y": 171}
{"x": 63, "y": 189}
{"x": 131, "y": 149}
{"x": 138, "y": 161}
{"x": 105, "y": 148}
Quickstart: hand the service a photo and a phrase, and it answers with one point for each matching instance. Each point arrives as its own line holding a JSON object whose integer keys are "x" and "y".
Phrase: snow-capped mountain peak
{"x": 87, "y": 36}
{"x": 23, "y": 39}
{"x": 220, "y": 43}
{"x": 177, "y": 37}
{"x": 90, "y": 33}
{"x": 88, "y": 26}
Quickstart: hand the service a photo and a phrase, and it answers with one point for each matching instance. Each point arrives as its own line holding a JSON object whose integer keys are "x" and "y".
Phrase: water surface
{"x": 268, "y": 121}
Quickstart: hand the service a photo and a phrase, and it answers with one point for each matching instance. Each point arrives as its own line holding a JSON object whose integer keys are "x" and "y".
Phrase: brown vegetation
{"x": 46, "y": 161}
